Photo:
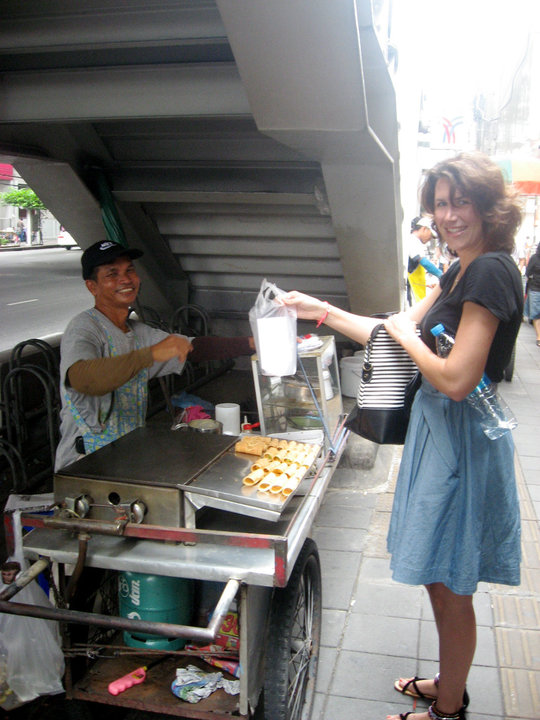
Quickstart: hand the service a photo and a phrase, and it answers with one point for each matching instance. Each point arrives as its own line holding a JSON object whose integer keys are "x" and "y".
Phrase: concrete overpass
{"x": 239, "y": 139}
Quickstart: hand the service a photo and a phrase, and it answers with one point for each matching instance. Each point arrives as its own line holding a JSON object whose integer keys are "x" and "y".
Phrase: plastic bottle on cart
{"x": 496, "y": 417}
{"x": 328, "y": 389}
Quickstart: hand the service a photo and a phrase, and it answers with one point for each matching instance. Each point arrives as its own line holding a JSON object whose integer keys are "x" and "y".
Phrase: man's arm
{"x": 430, "y": 267}
{"x": 99, "y": 376}
{"x": 220, "y": 348}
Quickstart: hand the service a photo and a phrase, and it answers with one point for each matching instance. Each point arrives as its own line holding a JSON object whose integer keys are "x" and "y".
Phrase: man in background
{"x": 419, "y": 264}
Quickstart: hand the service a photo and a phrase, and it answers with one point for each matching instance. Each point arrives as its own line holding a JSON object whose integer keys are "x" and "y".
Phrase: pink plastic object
{"x": 194, "y": 412}
{"x": 133, "y": 678}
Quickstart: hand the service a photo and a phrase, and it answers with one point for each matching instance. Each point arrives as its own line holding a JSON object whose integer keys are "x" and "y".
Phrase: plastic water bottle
{"x": 496, "y": 418}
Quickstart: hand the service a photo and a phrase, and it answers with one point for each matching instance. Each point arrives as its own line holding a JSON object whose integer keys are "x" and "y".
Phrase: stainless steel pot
{"x": 206, "y": 425}
{"x": 296, "y": 390}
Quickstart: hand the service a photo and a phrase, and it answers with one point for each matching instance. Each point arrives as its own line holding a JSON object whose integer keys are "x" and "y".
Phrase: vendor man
{"x": 107, "y": 359}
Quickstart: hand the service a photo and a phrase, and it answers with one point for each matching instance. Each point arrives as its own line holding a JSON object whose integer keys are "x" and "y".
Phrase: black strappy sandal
{"x": 435, "y": 714}
{"x": 417, "y": 694}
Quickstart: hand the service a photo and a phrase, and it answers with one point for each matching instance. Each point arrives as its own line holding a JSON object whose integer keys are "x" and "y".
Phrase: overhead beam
{"x": 133, "y": 92}
{"x": 215, "y": 199}
{"x": 254, "y": 179}
{"x": 364, "y": 218}
{"x": 33, "y": 25}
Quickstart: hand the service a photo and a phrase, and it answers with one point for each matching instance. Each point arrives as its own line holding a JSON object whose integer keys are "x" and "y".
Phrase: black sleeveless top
{"x": 493, "y": 281}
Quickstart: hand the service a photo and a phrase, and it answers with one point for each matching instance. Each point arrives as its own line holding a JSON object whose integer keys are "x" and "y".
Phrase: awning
{"x": 523, "y": 173}
{"x": 6, "y": 172}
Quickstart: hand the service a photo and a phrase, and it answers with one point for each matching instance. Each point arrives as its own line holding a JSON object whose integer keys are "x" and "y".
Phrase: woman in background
{"x": 533, "y": 291}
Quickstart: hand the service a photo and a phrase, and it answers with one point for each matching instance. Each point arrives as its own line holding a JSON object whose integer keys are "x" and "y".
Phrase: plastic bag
{"x": 274, "y": 329}
{"x": 8, "y": 700}
{"x": 35, "y": 662}
{"x": 193, "y": 684}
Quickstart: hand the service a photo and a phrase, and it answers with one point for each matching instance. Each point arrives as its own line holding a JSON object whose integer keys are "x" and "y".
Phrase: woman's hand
{"x": 357, "y": 327}
{"x": 401, "y": 328}
{"x": 307, "y": 307}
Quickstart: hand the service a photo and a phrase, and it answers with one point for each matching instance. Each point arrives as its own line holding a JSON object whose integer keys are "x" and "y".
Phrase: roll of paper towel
{"x": 228, "y": 414}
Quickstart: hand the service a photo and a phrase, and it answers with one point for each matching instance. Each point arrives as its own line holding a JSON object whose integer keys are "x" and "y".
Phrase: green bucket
{"x": 156, "y": 598}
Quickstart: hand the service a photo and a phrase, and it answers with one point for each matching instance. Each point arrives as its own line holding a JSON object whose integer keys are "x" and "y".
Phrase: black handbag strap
{"x": 367, "y": 366}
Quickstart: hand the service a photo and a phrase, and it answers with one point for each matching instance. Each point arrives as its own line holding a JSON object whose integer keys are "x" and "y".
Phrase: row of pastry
{"x": 282, "y": 467}
{"x": 262, "y": 444}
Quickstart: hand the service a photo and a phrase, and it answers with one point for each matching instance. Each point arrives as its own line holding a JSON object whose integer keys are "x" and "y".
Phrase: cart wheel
{"x": 509, "y": 369}
{"x": 80, "y": 710}
{"x": 294, "y": 640}
{"x": 83, "y": 710}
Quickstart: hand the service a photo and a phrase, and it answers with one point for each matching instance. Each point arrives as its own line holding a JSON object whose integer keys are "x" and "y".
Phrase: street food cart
{"x": 175, "y": 504}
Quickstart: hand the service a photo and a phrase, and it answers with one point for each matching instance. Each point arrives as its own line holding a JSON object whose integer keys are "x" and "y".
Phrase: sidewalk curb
{"x": 19, "y": 248}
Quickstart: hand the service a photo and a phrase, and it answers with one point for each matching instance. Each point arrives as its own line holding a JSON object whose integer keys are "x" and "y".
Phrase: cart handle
{"x": 205, "y": 635}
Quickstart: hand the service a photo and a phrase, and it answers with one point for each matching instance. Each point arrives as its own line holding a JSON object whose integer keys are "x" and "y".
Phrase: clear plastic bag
{"x": 35, "y": 662}
{"x": 274, "y": 329}
{"x": 6, "y": 693}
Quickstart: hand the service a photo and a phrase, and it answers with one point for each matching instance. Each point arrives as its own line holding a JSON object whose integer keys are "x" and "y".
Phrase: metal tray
{"x": 222, "y": 486}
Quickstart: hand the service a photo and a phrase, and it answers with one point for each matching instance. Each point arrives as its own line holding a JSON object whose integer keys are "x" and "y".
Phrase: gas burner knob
{"x": 81, "y": 505}
{"x": 137, "y": 511}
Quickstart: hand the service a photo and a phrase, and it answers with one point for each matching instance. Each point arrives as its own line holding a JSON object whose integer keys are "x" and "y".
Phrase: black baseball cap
{"x": 103, "y": 252}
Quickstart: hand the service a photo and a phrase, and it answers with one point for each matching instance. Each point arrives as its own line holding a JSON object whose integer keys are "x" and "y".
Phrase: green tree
{"x": 23, "y": 198}
{"x": 26, "y": 198}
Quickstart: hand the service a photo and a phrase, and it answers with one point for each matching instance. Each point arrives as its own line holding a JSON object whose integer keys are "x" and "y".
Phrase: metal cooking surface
{"x": 153, "y": 455}
{"x": 223, "y": 480}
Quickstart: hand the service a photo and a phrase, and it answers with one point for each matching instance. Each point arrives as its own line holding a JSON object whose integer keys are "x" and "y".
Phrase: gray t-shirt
{"x": 86, "y": 339}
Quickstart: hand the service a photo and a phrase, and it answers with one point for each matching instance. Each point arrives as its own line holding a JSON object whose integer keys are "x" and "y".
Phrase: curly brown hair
{"x": 479, "y": 179}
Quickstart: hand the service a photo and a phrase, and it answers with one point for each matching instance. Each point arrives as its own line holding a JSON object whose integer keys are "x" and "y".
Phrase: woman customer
{"x": 455, "y": 519}
{"x": 533, "y": 291}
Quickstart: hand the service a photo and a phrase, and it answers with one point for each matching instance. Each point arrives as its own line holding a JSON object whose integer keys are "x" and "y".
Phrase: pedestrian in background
{"x": 418, "y": 264}
{"x": 455, "y": 518}
{"x": 21, "y": 232}
{"x": 532, "y": 290}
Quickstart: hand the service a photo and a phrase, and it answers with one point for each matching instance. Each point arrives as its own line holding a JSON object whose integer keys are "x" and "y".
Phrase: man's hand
{"x": 172, "y": 346}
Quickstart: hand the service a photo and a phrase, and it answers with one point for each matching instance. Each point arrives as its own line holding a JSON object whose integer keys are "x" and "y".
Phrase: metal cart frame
{"x": 269, "y": 574}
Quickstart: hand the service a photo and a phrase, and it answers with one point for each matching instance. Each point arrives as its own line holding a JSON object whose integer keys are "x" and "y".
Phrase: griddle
{"x": 153, "y": 456}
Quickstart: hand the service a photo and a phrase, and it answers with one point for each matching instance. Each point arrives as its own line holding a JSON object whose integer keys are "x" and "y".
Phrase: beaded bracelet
{"x": 324, "y": 316}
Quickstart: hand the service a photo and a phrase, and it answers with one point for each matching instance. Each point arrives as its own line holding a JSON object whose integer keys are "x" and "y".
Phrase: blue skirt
{"x": 455, "y": 518}
{"x": 533, "y": 298}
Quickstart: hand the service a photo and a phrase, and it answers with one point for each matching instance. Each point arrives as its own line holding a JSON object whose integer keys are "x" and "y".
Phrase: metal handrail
{"x": 203, "y": 635}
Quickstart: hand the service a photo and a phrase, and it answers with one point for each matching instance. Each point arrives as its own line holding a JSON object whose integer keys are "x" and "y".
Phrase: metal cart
{"x": 200, "y": 522}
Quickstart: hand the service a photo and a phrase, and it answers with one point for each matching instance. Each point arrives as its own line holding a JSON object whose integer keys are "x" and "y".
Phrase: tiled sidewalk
{"x": 375, "y": 630}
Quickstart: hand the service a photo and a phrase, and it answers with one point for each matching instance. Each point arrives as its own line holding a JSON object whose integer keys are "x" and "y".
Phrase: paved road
{"x": 39, "y": 292}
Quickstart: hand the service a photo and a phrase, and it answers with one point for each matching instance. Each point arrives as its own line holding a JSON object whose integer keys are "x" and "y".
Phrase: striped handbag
{"x": 387, "y": 387}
